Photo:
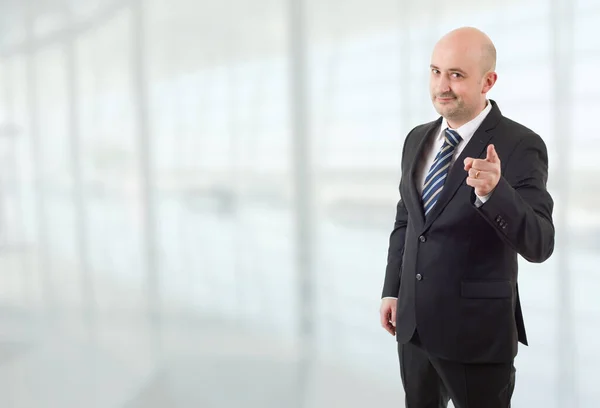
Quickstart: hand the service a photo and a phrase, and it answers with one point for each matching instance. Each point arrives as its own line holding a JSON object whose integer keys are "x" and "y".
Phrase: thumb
{"x": 492, "y": 155}
{"x": 394, "y": 316}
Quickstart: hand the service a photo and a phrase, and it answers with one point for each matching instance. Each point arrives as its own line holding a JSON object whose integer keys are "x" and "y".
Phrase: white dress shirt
{"x": 466, "y": 131}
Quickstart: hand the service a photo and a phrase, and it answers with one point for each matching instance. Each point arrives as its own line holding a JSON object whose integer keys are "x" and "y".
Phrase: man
{"x": 472, "y": 197}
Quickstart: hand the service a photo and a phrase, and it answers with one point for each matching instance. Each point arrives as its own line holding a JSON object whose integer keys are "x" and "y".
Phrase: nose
{"x": 443, "y": 84}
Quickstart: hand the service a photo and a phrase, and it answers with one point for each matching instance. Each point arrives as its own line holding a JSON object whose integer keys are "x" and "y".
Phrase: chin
{"x": 442, "y": 109}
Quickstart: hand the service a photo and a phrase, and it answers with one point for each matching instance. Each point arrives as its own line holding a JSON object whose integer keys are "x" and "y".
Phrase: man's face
{"x": 457, "y": 82}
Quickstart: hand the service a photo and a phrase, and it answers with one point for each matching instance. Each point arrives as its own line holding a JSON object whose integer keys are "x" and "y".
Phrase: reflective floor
{"x": 124, "y": 363}
{"x": 117, "y": 357}
{"x": 120, "y": 361}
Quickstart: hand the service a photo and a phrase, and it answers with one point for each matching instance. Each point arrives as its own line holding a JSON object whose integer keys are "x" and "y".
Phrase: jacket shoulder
{"x": 519, "y": 140}
{"x": 518, "y": 133}
{"x": 420, "y": 130}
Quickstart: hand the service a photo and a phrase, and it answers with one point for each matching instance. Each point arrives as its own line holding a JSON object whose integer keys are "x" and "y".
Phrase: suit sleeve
{"x": 391, "y": 284}
{"x": 520, "y": 208}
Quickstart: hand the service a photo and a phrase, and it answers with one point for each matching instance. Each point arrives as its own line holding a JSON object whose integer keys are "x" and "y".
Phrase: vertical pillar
{"x": 303, "y": 197}
{"x": 302, "y": 171}
{"x": 44, "y": 267}
{"x": 144, "y": 144}
{"x": 562, "y": 63}
{"x": 79, "y": 202}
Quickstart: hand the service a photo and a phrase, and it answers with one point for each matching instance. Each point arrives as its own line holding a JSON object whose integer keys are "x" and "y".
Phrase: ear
{"x": 488, "y": 81}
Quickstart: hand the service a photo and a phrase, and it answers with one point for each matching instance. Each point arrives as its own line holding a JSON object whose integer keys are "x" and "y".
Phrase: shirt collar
{"x": 467, "y": 130}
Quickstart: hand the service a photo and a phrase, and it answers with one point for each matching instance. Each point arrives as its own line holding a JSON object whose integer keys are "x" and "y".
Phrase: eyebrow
{"x": 450, "y": 69}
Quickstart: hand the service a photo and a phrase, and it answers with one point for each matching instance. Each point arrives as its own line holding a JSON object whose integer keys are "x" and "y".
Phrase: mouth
{"x": 444, "y": 99}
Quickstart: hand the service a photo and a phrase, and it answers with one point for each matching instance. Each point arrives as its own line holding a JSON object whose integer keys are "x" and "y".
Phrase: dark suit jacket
{"x": 455, "y": 273}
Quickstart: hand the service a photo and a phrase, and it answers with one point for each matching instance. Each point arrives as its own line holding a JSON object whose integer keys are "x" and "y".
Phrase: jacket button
{"x": 422, "y": 238}
{"x": 419, "y": 277}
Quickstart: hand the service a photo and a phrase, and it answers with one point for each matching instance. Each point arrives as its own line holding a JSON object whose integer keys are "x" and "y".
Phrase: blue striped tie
{"x": 434, "y": 182}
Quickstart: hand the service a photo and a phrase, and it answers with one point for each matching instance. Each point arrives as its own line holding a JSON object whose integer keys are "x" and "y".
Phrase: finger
{"x": 476, "y": 182}
{"x": 384, "y": 317}
{"x": 492, "y": 155}
{"x": 478, "y": 174}
{"x": 483, "y": 165}
{"x": 394, "y": 316}
{"x": 385, "y": 323}
{"x": 468, "y": 163}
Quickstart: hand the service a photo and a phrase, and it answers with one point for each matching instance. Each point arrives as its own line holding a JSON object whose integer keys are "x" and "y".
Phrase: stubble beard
{"x": 456, "y": 111}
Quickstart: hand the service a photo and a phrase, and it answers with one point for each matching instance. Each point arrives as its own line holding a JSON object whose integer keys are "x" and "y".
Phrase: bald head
{"x": 472, "y": 42}
{"x": 463, "y": 65}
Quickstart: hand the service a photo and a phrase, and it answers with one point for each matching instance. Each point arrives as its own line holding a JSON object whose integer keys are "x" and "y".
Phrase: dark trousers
{"x": 429, "y": 382}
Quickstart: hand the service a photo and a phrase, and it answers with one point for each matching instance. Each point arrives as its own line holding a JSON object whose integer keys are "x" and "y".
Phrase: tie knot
{"x": 452, "y": 137}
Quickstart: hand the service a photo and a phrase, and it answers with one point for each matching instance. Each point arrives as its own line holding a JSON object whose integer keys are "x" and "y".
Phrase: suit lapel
{"x": 475, "y": 148}
{"x": 414, "y": 202}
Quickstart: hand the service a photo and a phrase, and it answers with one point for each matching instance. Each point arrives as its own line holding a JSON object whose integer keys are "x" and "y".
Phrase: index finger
{"x": 492, "y": 154}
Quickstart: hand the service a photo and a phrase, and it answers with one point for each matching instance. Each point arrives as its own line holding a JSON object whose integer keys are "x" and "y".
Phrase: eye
{"x": 435, "y": 71}
{"x": 456, "y": 75}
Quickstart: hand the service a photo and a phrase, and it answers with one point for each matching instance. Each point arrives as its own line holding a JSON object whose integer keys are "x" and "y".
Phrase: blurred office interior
{"x": 196, "y": 196}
